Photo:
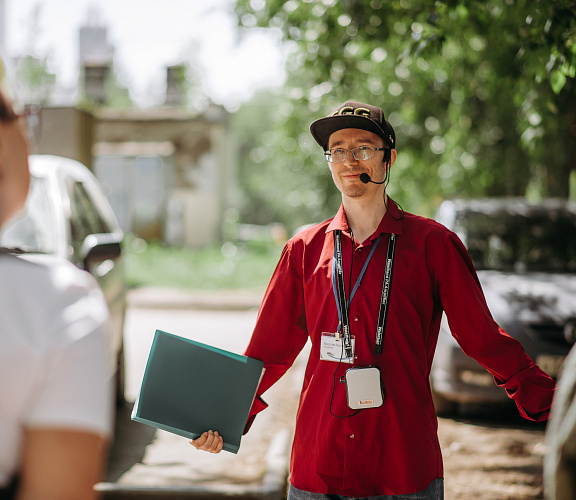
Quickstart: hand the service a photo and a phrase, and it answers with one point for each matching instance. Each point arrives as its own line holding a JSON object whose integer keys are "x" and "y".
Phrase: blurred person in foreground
{"x": 368, "y": 288}
{"x": 560, "y": 457}
{"x": 55, "y": 375}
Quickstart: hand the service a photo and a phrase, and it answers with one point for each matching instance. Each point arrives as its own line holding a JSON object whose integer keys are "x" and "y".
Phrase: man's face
{"x": 346, "y": 174}
{"x": 14, "y": 174}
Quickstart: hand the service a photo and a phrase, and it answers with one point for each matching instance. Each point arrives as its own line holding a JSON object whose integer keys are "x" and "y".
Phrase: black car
{"x": 525, "y": 256}
{"x": 67, "y": 216}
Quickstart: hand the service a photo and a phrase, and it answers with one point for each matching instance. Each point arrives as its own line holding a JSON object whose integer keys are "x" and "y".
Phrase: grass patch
{"x": 227, "y": 266}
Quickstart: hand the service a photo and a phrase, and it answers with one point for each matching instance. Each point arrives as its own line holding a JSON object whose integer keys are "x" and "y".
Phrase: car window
{"x": 544, "y": 241}
{"x": 85, "y": 218}
{"x": 35, "y": 230}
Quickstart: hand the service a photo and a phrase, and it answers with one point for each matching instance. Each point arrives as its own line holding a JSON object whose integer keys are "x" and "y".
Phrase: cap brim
{"x": 323, "y": 128}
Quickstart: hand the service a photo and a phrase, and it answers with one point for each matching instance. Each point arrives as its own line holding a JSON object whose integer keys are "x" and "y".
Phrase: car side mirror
{"x": 97, "y": 248}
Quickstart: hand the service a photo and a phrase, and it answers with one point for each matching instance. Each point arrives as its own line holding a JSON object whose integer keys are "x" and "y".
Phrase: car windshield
{"x": 544, "y": 241}
{"x": 35, "y": 230}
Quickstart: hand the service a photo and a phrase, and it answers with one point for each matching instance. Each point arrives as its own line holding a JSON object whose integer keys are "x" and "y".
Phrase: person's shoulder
{"x": 432, "y": 235}
{"x": 51, "y": 284}
{"x": 65, "y": 275}
{"x": 50, "y": 272}
{"x": 421, "y": 223}
{"x": 73, "y": 285}
{"x": 46, "y": 297}
{"x": 309, "y": 233}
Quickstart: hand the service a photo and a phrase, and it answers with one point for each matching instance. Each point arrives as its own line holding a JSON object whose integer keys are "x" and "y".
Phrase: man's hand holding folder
{"x": 209, "y": 441}
{"x": 189, "y": 387}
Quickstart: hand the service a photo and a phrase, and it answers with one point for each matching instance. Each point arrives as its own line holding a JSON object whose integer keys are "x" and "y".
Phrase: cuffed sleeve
{"x": 532, "y": 391}
{"x": 258, "y": 406}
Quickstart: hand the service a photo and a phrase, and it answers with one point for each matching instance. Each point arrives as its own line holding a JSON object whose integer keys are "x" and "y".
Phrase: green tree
{"x": 117, "y": 94}
{"x": 36, "y": 83}
{"x": 481, "y": 94}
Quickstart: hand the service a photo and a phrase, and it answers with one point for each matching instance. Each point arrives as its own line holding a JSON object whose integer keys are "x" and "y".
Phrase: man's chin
{"x": 355, "y": 192}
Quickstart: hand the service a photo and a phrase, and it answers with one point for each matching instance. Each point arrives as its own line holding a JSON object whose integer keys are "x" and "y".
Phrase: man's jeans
{"x": 434, "y": 492}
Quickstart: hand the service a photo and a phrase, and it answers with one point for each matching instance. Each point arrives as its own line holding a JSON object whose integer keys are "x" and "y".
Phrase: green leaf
{"x": 557, "y": 81}
{"x": 568, "y": 69}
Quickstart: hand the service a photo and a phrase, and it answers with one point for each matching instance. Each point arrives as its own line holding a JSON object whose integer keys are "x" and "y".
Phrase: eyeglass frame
{"x": 9, "y": 114}
{"x": 32, "y": 113}
{"x": 328, "y": 154}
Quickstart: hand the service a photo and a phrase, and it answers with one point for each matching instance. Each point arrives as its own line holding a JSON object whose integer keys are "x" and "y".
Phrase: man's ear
{"x": 389, "y": 161}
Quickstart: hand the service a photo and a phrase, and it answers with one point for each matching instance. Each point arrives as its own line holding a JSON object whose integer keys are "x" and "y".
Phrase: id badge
{"x": 364, "y": 387}
{"x": 332, "y": 348}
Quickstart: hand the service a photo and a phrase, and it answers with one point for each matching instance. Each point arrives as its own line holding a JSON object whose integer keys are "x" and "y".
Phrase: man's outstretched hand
{"x": 210, "y": 441}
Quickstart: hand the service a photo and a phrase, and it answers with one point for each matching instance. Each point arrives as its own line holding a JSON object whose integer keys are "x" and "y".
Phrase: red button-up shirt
{"x": 392, "y": 449}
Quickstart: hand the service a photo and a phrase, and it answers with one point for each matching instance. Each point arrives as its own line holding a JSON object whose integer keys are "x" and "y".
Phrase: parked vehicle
{"x": 525, "y": 256}
{"x": 67, "y": 216}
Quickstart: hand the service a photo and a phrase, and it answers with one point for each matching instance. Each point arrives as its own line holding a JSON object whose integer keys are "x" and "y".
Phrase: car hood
{"x": 536, "y": 298}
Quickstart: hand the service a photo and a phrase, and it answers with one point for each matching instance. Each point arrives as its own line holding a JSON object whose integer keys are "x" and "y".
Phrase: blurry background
{"x": 194, "y": 115}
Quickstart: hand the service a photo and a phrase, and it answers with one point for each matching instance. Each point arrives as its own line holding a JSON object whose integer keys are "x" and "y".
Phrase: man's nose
{"x": 350, "y": 158}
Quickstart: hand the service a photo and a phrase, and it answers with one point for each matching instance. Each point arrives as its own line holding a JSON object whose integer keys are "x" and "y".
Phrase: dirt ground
{"x": 493, "y": 455}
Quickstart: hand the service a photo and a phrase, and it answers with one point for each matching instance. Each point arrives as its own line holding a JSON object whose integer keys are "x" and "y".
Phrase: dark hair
{"x": 7, "y": 113}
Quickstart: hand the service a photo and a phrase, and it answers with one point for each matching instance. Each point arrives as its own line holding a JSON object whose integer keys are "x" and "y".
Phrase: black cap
{"x": 353, "y": 114}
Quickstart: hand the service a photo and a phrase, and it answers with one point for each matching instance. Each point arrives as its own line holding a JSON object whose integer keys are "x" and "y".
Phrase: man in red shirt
{"x": 368, "y": 287}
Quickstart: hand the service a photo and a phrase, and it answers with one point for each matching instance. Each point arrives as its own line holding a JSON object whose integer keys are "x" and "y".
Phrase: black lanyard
{"x": 339, "y": 291}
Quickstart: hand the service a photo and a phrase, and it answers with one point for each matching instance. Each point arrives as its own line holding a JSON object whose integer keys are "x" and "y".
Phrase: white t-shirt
{"x": 55, "y": 369}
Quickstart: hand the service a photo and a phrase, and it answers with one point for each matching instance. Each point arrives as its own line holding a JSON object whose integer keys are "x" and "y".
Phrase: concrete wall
{"x": 67, "y": 132}
{"x": 200, "y": 218}
{"x": 136, "y": 184}
{"x": 203, "y": 166}
{"x": 169, "y": 174}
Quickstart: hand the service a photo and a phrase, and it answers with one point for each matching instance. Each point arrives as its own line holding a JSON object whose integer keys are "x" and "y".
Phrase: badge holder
{"x": 364, "y": 387}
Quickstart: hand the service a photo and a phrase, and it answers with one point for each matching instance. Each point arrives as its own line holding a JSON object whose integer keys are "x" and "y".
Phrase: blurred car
{"x": 525, "y": 256}
{"x": 68, "y": 216}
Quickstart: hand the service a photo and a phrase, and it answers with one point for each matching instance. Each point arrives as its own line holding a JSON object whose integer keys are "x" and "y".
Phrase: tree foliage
{"x": 36, "y": 83}
{"x": 481, "y": 94}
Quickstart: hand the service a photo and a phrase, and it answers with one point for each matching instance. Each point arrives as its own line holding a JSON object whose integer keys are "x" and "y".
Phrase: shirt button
{"x": 352, "y": 436}
{"x": 356, "y": 318}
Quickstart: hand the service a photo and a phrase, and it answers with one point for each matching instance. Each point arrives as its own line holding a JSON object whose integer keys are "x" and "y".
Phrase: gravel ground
{"x": 496, "y": 456}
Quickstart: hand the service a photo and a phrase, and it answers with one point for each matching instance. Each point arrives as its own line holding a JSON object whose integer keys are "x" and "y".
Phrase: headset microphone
{"x": 365, "y": 178}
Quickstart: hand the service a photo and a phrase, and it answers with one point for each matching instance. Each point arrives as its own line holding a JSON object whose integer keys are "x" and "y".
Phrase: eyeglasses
{"x": 360, "y": 153}
{"x": 30, "y": 114}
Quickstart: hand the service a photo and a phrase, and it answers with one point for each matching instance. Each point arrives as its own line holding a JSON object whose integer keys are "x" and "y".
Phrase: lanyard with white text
{"x": 338, "y": 287}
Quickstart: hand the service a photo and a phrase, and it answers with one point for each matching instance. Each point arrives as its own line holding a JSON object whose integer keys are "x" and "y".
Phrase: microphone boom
{"x": 365, "y": 178}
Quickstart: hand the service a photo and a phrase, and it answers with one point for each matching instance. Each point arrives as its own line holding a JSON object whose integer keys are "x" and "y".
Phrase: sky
{"x": 147, "y": 36}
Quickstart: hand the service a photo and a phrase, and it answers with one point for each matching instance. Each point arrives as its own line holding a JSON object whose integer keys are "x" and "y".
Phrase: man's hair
{"x": 7, "y": 113}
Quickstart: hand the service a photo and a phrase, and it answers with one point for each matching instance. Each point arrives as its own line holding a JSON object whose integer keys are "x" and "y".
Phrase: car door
{"x": 96, "y": 248}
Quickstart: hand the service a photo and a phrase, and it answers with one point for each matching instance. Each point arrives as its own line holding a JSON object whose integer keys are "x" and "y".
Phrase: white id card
{"x": 332, "y": 348}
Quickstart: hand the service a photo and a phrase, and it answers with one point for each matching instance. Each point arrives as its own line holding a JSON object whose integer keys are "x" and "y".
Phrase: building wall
{"x": 199, "y": 185}
{"x": 169, "y": 175}
{"x": 67, "y": 132}
{"x": 137, "y": 187}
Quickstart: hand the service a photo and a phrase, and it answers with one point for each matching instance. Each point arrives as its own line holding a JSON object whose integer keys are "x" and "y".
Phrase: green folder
{"x": 190, "y": 387}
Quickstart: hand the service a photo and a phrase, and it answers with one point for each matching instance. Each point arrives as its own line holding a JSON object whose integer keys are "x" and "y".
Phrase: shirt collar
{"x": 390, "y": 223}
